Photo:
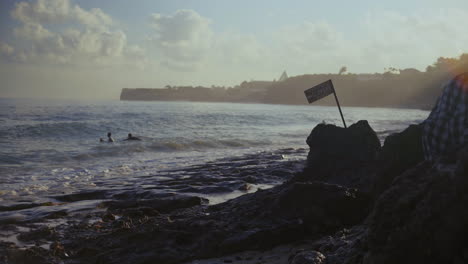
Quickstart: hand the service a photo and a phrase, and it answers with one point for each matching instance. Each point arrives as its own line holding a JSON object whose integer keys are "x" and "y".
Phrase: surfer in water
{"x": 131, "y": 137}
{"x": 109, "y": 137}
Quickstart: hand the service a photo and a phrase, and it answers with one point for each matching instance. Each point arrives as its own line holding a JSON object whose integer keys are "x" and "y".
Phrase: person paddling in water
{"x": 131, "y": 137}
{"x": 109, "y": 137}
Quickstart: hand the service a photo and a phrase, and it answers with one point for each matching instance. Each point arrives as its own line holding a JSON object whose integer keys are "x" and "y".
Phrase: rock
{"x": 256, "y": 221}
{"x": 344, "y": 156}
{"x": 57, "y": 249}
{"x": 91, "y": 195}
{"x": 356, "y": 143}
{"x": 308, "y": 257}
{"x": 42, "y": 233}
{"x": 163, "y": 205}
{"x": 400, "y": 152}
{"x": 108, "y": 217}
{"x": 245, "y": 187}
{"x": 10, "y": 253}
{"x": 403, "y": 150}
{"x": 345, "y": 246}
{"x": 421, "y": 218}
{"x": 322, "y": 205}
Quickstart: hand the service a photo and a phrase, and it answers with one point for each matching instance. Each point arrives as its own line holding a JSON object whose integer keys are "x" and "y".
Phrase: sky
{"x": 83, "y": 49}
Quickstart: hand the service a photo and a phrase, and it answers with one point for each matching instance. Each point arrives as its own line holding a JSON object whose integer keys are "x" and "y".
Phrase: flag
{"x": 319, "y": 91}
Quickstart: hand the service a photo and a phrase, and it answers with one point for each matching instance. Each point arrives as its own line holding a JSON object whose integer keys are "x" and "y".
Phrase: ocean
{"x": 50, "y": 152}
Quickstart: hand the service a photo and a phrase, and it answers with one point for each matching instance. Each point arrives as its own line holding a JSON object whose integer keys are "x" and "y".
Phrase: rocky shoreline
{"x": 354, "y": 202}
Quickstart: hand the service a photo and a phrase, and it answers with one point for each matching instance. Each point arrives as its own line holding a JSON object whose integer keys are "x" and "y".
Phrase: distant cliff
{"x": 416, "y": 90}
{"x": 407, "y": 88}
{"x": 253, "y": 91}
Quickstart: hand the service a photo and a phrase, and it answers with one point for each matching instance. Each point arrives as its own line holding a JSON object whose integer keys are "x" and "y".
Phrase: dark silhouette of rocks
{"x": 344, "y": 156}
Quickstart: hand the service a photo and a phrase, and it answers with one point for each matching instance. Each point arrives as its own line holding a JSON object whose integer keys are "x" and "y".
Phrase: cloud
{"x": 59, "y": 11}
{"x": 183, "y": 38}
{"x": 413, "y": 40}
{"x": 58, "y": 32}
{"x": 43, "y": 11}
{"x": 309, "y": 37}
{"x": 61, "y": 32}
{"x": 6, "y": 51}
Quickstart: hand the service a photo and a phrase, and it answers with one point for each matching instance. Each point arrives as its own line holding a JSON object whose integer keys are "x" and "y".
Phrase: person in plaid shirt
{"x": 445, "y": 131}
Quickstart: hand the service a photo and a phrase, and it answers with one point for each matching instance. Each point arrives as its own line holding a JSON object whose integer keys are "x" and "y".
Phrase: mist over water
{"x": 50, "y": 148}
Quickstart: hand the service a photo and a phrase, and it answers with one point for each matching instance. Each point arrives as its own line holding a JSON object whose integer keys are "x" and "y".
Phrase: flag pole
{"x": 338, "y": 103}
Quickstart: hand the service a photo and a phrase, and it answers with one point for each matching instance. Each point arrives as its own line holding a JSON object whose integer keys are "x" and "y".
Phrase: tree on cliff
{"x": 343, "y": 70}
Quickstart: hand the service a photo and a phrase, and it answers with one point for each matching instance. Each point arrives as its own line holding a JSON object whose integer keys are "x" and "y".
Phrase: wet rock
{"x": 57, "y": 249}
{"x": 258, "y": 220}
{"x": 57, "y": 214}
{"x": 10, "y": 253}
{"x": 20, "y": 206}
{"x": 245, "y": 187}
{"x": 108, "y": 217}
{"x": 250, "y": 179}
{"x": 164, "y": 205}
{"x": 42, "y": 233}
{"x": 140, "y": 212}
{"x": 308, "y": 257}
{"x": 91, "y": 195}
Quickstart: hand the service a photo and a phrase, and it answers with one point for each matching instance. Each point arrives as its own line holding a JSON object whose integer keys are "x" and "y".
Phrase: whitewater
{"x": 50, "y": 150}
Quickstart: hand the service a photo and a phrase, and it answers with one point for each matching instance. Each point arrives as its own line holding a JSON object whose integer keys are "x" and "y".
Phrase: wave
{"x": 106, "y": 149}
{"x": 51, "y": 129}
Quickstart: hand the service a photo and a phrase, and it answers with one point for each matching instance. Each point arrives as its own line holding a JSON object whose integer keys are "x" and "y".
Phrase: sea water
{"x": 52, "y": 148}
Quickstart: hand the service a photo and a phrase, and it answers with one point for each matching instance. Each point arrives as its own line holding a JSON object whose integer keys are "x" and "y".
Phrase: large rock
{"x": 422, "y": 217}
{"x": 289, "y": 213}
{"x": 359, "y": 142}
{"x": 400, "y": 152}
{"x": 344, "y": 156}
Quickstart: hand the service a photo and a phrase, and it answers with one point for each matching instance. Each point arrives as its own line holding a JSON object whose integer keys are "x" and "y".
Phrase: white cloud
{"x": 183, "y": 39}
{"x": 309, "y": 38}
{"x": 93, "y": 18}
{"x": 238, "y": 49}
{"x": 6, "y": 49}
{"x": 57, "y": 32}
{"x": 59, "y": 11}
{"x": 413, "y": 40}
{"x": 42, "y": 11}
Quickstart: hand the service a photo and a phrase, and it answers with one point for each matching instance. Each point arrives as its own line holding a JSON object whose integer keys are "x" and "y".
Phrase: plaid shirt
{"x": 446, "y": 128}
